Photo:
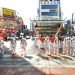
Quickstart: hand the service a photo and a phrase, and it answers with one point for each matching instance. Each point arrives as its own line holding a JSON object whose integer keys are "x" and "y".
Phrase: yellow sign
{"x": 8, "y": 13}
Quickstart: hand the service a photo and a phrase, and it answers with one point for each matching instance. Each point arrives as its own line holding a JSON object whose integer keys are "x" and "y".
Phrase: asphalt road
{"x": 37, "y": 71}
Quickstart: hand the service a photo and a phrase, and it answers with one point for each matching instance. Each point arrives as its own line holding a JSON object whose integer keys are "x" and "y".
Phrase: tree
{"x": 19, "y": 20}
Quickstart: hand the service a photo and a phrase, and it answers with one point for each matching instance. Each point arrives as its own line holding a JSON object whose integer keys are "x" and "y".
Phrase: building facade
{"x": 49, "y": 19}
{"x": 7, "y": 18}
{"x": 49, "y": 9}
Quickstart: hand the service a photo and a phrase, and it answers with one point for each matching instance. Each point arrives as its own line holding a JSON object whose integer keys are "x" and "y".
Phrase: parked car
{"x": 21, "y": 35}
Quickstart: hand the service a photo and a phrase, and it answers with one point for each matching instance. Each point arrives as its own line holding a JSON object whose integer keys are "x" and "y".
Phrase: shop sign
{"x": 9, "y": 13}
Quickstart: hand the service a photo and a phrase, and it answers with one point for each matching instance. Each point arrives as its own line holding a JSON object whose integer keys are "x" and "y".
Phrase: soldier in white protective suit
{"x": 23, "y": 45}
{"x": 72, "y": 53}
{"x": 1, "y": 46}
{"x": 13, "y": 45}
{"x": 47, "y": 46}
{"x": 37, "y": 45}
{"x": 67, "y": 46}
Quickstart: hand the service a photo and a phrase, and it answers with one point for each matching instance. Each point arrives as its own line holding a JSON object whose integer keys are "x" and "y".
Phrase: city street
{"x": 31, "y": 64}
{"x": 37, "y": 37}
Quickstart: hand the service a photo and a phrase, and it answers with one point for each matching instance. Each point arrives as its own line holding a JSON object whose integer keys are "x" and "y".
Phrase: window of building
{"x": 49, "y": 13}
{"x": 45, "y": 0}
{"x": 56, "y": 0}
{"x": 53, "y": 10}
{"x": 49, "y": 6}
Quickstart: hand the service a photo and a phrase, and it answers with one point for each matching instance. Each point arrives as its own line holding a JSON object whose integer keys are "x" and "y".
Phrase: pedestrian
{"x": 23, "y": 45}
{"x": 13, "y": 45}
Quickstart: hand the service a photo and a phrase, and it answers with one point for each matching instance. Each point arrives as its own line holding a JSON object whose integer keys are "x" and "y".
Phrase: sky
{"x": 27, "y": 9}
